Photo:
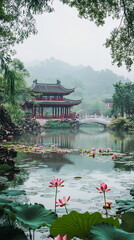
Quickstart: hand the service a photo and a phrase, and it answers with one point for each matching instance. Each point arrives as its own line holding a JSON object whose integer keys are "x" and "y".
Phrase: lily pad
{"x": 78, "y": 224}
{"x": 13, "y": 192}
{"x": 132, "y": 192}
{"x": 34, "y": 216}
{"x": 124, "y": 205}
{"x": 105, "y": 231}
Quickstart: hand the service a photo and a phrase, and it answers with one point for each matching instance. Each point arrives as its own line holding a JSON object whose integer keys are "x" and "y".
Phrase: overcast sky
{"x": 64, "y": 36}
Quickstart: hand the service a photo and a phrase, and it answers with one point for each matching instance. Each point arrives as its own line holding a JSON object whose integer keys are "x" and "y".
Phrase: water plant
{"x": 56, "y": 183}
{"x": 63, "y": 202}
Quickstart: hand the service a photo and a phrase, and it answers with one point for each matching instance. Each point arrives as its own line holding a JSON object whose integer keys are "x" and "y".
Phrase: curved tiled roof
{"x": 67, "y": 102}
{"x": 50, "y": 88}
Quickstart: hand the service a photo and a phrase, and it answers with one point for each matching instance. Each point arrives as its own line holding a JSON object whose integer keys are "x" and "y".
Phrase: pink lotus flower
{"x": 35, "y": 148}
{"x": 93, "y": 152}
{"x": 56, "y": 183}
{"x": 108, "y": 149}
{"x": 103, "y": 188}
{"x": 100, "y": 149}
{"x": 114, "y": 155}
{"x": 4, "y": 140}
{"x": 23, "y": 146}
{"x": 79, "y": 148}
{"x": 62, "y": 202}
{"x": 59, "y": 237}
{"x": 59, "y": 150}
{"x": 93, "y": 149}
{"x": 41, "y": 147}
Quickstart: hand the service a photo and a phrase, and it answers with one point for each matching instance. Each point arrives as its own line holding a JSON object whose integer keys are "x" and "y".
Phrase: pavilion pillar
{"x": 58, "y": 111}
{"x": 52, "y": 111}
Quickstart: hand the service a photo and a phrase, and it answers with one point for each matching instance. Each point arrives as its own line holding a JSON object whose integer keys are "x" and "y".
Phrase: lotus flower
{"x": 59, "y": 237}
{"x": 93, "y": 149}
{"x": 62, "y": 202}
{"x": 114, "y": 155}
{"x": 56, "y": 183}
{"x": 100, "y": 149}
{"x": 4, "y": 140}
{"x": 103, "y": 188}
{"x": 108, "y": 149}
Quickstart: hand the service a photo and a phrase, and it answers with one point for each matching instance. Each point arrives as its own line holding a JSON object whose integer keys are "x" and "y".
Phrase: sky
{"x": 66, "y": 37}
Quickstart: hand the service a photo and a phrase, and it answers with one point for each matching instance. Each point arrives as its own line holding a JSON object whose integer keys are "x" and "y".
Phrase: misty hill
{"x": 93, "y": 86}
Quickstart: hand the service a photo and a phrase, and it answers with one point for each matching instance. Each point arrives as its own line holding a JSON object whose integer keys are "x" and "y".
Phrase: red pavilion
{"x": 49, "y": 101}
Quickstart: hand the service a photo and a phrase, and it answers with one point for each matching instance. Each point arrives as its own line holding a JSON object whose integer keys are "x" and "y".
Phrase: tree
{"x": 13, "y": 89}
{"x": 17, "y": 23}
{"x": 121, "y": 41}
{"x": 123, "y": 99}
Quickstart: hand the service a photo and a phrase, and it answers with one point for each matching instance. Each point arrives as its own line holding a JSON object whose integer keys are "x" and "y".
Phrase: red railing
{"x": 52, "y": 117}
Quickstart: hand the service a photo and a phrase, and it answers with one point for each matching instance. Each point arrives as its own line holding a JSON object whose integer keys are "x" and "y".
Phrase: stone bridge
{"x": 95, "y": 119}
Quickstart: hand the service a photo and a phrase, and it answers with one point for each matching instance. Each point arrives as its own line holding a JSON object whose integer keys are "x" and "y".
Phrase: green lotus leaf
{"x": 128, "y": 222}
{"x": 124, "y": 205}
{"x": 11, "y": 233}
{"x": 13, "y": 192}
{"x": 34, "y": 216}
{"x": 132, "y": 192}
{"x": 77, "y": 224}
{"x": 105, "y": 231}
{"x": 4, "y": 202}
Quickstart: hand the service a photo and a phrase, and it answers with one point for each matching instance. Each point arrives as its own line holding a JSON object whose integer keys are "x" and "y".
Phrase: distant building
{"x": 108, "y": 102}
{"x": 49, "y": 101}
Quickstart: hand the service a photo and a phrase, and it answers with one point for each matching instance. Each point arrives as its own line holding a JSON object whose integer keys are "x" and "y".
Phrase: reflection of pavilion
{"x": 63, "y": 139}
{"x": 52, "y": 159}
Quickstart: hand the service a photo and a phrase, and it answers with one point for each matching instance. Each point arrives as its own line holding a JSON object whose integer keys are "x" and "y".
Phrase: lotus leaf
{"x": 11, "y": 233}
{"x": 132, "y": 192}
{"x": 124, "y": 205}
{"x": 105, "y": 231}
{"x": 128, "y": 222}
{"x": 33, "y": 216}
{"x": 13, "y": 192}
{"x": 78, "y": 224}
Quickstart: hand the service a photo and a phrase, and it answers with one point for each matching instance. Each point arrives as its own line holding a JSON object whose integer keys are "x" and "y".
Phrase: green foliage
{"x": 132, "y": 192}
{"x": 121, "y": 41}
{"x": 12, "y": 192}
{"x": 125, "y": 205}
{"x": 128, "y": 222}
{"x": 119, "y": 123}
{"x": 57, "y": 124}
{"x": 108, "y": 232}
{"x": 78, "y": 224}
{"x": 5, "y": 167}
{"x": 33, "y": 216}
{"x": 11, "y": 233}
{"x": 123, "y": 98}
{"x": 18, "y": 23}
{"x": 14, "y": 111}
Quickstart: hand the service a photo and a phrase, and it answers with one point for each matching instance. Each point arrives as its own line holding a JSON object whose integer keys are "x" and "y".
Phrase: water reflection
{"x": 85, "y": 137}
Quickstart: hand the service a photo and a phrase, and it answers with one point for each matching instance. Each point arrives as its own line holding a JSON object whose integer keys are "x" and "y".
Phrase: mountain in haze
{"x": 93, "y": 86}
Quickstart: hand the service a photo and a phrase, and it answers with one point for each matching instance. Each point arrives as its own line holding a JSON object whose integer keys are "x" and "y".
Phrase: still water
{"x": 38, "y": 170}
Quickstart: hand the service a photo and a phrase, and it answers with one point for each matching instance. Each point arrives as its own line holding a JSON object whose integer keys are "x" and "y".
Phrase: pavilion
{"x": 49, "y": 101}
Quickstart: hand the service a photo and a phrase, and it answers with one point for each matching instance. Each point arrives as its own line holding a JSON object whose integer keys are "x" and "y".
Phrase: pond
{"x": 37, "y": 170}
